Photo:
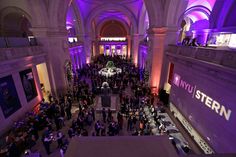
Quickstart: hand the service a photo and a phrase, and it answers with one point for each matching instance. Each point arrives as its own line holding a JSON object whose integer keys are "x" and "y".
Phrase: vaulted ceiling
{"x": 99, "y": 11}
{"x": 89, "y": 6}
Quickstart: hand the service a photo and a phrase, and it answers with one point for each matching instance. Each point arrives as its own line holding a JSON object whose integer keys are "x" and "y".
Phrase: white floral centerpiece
{"x": 109, "y": 70}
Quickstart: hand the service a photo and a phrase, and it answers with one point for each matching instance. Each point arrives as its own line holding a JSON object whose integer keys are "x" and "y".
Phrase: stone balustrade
{"x": 75, "y": 44}
{"x": 223, "y": 57}
{"x": 19, "y": 52}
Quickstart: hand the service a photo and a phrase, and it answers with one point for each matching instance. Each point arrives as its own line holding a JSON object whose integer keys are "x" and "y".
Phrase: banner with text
{"x": 209, "y": 104}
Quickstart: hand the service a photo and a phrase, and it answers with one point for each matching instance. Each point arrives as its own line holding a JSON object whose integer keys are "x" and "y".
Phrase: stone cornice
{"x": 19, "y": 52}
{"x": 158, "y": 30}
{"x": 225, "y": 58}
{"x": 11, "y": 65}
{"x": 49, "y": 32}
{"x": 192, "y": 60}
{"x": 161, "y": 30}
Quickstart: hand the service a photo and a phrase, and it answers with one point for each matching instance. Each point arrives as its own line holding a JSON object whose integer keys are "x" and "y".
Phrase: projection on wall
{"x": 27, "y": 79}
{"x": 9, "y": 100}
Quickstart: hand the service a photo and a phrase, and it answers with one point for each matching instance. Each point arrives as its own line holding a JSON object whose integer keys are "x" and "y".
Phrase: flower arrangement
{"x": 110, "y": 64}
{"x": 110, "y": 70}
{"x": 68, "y": 68}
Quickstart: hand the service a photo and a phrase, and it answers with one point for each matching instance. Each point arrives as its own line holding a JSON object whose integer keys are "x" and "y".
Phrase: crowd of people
{"x": 46, "y": 124}
{"x": 47, "y": 116}
{"x": 187, "y": 41}
{"x": 131, "y": 105}
{"x": 118, "y": 82}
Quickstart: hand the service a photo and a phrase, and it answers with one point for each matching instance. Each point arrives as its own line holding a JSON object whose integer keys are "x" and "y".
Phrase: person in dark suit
{"x": 14, "y": 150}
{"x": 47, "y": 143}
{"x": 104, "y": 115}
{"x": 97, "y": 127}
{"x": 109, "y": 115}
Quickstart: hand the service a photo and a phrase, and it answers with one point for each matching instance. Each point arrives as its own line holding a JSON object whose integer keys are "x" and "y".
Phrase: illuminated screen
{"x": 222, "y": 39}
{"x": 72, "y": 39}
{"x": 209, "y": 104}
{"x": 232, "y": 42}
{"x": 28, "y": 84}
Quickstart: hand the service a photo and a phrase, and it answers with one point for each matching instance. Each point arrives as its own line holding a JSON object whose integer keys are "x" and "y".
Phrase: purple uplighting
{"x": 200, "y": 9}
{"x": 206, "y": 3}
{"x": 77, "y": 57}
{"x": 197, "y": 15}
{"x": 160, "y": 71}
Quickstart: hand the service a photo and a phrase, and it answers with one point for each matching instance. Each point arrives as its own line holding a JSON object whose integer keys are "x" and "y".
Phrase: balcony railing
{"x": 224, "y": 57}
{"x": 75, "y": 44}
{"x": 6, "y": 42}
{"x": 20, "y": 52}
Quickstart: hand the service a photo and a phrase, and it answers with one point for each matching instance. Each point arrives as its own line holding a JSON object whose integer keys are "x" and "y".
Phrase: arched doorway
{"x": 113, "y": 38}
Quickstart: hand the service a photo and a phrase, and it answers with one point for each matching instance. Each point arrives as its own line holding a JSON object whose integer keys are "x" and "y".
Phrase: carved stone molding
{"x": 160, "y": 30}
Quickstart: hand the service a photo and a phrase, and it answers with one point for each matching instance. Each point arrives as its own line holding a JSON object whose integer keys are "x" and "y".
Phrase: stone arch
{"x": 57, "y": 13}
{"x": 201, "y": 9}
{"x": 155, "y": 12}
{"x": 142, "y": 23}
{"x": 38, "y": 11}
{"x": 195, "y": 24}
{"x": 14, "y": 16}
{"x": 78, "y": 16}
{"x": 100, "y": 24}
{"x": 12, "y": 9}
{"x": 224, "y": 13}
{"x": 113, "y": 28}
{"x": 173, "y": 11}
{"x": 98, "y": 10}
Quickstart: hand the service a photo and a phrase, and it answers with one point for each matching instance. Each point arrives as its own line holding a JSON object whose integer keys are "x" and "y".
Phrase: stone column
{"x": 171, "y": 38}
{"x": 156, "y": 55}
{"x": 97, "y": 53}
{"x": 88, "y": 48}
{"x": 54, "y": 42}
{"x": 135, "y": 46}
{"x": 128, "y": 46}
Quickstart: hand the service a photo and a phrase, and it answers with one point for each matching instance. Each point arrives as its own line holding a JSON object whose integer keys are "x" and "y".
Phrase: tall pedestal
{"x": 106, "y": 100}
{"x": 106, "y": 97}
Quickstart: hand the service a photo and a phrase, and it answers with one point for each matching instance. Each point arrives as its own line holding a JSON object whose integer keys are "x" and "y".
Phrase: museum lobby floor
{"x": 56, "y": 152}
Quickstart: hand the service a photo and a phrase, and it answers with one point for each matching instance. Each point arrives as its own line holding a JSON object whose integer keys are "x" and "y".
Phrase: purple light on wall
{"x": 68, "y": 25}
{"x": 77, "y": 56}
{"x": 201, "y": 35}
{"x": 197, "y": 15}
{"x": 193, "y": 18}
{"x": 143, "y": 50}
{"x": 70, "y": 15}
{"x": 200, "y": 15}
{"x": 202, "y": 5}
{"x": 206, "y": 3}
{"x": 219, "y": 128}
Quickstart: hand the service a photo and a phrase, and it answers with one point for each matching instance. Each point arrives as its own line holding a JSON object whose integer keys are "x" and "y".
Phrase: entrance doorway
{"x": 44, "y": 80}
